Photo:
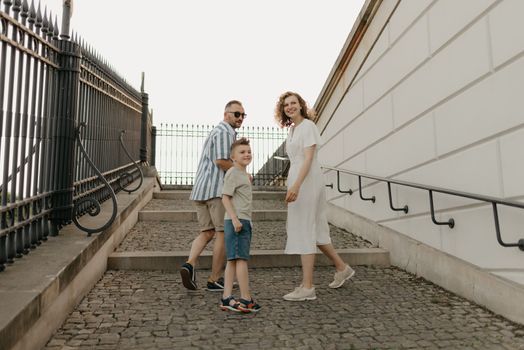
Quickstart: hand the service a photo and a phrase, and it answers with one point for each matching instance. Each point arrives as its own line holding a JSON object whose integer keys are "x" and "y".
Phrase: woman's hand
{"x": 237, "y": 225}
{"x": 292, "y": 194}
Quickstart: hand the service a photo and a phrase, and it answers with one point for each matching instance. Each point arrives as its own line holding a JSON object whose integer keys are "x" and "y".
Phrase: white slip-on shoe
{"x": 301, "y": 294}
{"x": 341, "y": 277}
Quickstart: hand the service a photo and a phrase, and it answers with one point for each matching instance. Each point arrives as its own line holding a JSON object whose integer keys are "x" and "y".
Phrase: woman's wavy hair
{"x": 280, "y": 116}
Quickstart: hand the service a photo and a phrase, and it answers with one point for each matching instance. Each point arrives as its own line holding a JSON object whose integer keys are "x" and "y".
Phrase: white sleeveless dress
{"x": 307, "y": 224}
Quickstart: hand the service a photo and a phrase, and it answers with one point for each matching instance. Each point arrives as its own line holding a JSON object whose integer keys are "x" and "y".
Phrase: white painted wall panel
{"x": 381, "y": 45}
{"x": 372, "y": 125}
{"x": 405, "y": 14}
{"x": 507, "y": 30}
{"x": 460, "y": 63}
{"x": 408, "y": 147}
{"x": 420, "y": 228}
{"x": 394, "y": 66}
{"x": 331, "y": 152}
{"x": 512, "y": 163}
{"x": 457, "y": 18}
{"x": 474, "y": 170}
{"x": 492, "y": 106}
{"x": 350, "y": 107}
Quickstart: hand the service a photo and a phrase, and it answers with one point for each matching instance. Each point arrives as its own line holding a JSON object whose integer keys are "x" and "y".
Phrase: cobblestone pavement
{"x": 380, "y": 308}
{"x": 175, "y": 204}
{"x": 170, "y": 236}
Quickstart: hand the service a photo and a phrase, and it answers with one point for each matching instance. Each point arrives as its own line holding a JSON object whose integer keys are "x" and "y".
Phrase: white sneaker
{"x": 341, "y": 277}
{"x": 301, "y": 294}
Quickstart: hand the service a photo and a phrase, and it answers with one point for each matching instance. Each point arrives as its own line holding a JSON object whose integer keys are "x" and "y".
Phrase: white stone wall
{"x": 438, "y": 101}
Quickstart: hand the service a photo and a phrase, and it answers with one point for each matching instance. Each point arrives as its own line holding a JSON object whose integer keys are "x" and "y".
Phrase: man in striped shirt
{"x": 207, "y": 196}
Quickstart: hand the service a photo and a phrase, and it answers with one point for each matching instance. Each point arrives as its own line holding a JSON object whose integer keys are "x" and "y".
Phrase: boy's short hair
{"x": 241, "y": 141}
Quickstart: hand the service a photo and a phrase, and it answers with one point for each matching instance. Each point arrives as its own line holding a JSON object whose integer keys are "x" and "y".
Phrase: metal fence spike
{"x": 51, "y": 28}
{"x": 45, "y": 22}
{"x": 32, "y": 12}
{"x": 50, "y": 23}
{"x": 7, "y": 4}
{"x": 39, "y": 17}
{"x": 25, "y": 8}
{"x": 56, "y": 32}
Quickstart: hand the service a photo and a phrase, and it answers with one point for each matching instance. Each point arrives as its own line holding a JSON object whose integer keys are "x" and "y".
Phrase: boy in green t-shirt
{"x": 237, "y": 199}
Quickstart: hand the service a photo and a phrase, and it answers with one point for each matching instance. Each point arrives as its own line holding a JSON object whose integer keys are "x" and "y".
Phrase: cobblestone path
{"x": 381, "y": 308}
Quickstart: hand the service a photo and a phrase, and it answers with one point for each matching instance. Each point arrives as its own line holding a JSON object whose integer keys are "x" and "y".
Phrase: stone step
{"x": 161, "y": 236}
{"x": 185, "y": 204}
{"x": 190, "y": 215}
{"x": 180, "y": 195}
{"x": 171, "y": 261}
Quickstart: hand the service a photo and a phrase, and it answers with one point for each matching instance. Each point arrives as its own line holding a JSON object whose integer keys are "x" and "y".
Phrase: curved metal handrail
{"x": 451, "y": 222}
{"x": 96, "y": 209}
{"x": 128, "y": 174}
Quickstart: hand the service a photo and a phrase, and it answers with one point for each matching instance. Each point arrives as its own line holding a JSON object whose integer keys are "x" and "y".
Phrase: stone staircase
{"x": 162, "y": 238}
{"x": 140, "y": 303}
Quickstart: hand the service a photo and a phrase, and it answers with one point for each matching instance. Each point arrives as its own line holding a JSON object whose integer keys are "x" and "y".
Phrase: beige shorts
{"x": 210, "y": 214}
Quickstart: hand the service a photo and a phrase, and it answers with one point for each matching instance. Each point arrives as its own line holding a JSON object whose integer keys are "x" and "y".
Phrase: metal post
{"x": 143, "y": 128}
{"x": 67, "y": 12}
{"x": 64, "y": 134}
{"x": 153, "y": 145}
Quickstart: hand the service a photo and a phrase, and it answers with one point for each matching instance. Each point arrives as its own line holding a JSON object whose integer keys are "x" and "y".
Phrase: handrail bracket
{"x": 450, "y": 222}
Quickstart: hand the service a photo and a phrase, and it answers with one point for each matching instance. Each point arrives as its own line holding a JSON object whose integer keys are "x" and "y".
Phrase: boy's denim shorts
{"x": 237, "y": 243}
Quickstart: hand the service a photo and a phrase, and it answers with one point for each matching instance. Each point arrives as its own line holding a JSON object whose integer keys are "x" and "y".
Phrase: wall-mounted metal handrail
{"x": 451, "y": 222}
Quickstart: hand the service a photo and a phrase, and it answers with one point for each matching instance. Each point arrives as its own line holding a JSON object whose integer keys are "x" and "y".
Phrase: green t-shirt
{"x": 238, "y": 186}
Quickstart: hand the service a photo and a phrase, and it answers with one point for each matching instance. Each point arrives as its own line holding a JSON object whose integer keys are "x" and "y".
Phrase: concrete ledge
{"x": 171, "y": 261}
{"x": 184, "y": 195}
{"x": 189, "y": 215}
{"x": 38, "y": 291}
{"x": 502, "y": 296}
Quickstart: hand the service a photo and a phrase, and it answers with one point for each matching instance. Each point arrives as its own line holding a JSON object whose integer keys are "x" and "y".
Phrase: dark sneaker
{"x": 188, "y": 274}
{"x": 215, "y": 286}
{"x": 230, "y": 304}
{"x": 248, "y": 305}
{"x": 221, "y": 282}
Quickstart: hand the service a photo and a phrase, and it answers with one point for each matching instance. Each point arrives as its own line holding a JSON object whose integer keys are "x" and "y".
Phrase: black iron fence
{"x": 60, "y": 104}
{"x": 178, "y": 149}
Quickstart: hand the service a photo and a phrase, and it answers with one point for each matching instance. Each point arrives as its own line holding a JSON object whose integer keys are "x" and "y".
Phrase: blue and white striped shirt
{"x": 209, "y": 178}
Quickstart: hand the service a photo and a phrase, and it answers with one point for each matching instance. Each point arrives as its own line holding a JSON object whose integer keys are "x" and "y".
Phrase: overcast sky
{"x": 199, "y": 54}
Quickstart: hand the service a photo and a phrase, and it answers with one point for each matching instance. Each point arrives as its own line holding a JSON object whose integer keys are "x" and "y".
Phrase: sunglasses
{"x": 239, "y": 114}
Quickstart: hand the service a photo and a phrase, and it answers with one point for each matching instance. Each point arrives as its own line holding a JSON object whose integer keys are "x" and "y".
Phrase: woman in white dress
{"x": 307, "y": 226}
